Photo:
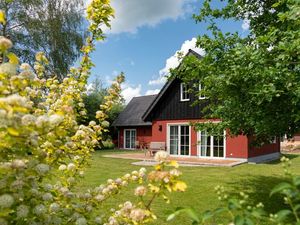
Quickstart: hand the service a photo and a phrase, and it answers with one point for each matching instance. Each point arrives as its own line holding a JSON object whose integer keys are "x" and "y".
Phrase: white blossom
{"x": 105, "y": 124}
{"x": 81, "y": 221}
{"x": 55, "y": 119}
{"x": 54, "y": 207}
{"x": 99, "y": 198}
{"x": 18, "y": 164}
{"x": 8, "y": 68}
{"x": 39, "y": 209}
{"x": 137, "y": 215}
{"x": 140, "y": 191}
{"x": 71, "y": 166}
{"x": 6, "y": 201}
{"x": 62, "y": 167}
{"x": 161, "y": 156}
{"x": 41, "y": 121}
{"x": 42, "y": 169}
{"x": 25, "y": 66}
{"x": 98, "y": 220}
{"x": 5, "y": 43}
{"x": 92, "y": 123}
{"x": 28, "y": 119}
{"x": 47, "y": 197}
{"x": 22, "y": 211}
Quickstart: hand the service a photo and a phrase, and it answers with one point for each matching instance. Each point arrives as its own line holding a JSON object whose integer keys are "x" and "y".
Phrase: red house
{"x": 167, "y": 118}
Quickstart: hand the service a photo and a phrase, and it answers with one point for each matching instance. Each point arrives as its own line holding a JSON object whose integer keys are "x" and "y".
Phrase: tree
{"x": 252, "y": 81}
{"x": 94, "y": 98}
{"x": 55, "y": 27}
{"x": 44, "y": 150}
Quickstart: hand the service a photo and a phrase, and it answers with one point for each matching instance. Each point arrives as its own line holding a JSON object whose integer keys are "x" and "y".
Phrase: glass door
{"x": 179, "y": 140}
{"x": 173, "y": 140}
{"x": 211, "y": 145}
{"x": 129, "y": 138}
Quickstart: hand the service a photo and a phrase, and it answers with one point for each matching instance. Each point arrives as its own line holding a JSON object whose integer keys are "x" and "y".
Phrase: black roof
{"x": 133, "y": 112}
{"x": 166, "y": 87}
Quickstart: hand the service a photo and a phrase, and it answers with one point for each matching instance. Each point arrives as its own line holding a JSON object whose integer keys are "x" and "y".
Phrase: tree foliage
{"x": 44, "y": 150}
{"x": 251, "y": 80}
{"x": 94, "y": 98}
{"x": 55, "y": 27}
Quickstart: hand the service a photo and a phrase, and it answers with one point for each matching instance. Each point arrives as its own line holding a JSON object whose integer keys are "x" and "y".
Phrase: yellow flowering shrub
{"x": 44, "y": 150}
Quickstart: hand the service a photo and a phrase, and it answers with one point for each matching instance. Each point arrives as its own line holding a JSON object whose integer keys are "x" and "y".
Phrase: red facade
{"x": 235, "y": 147}
{"x": 143, "y": 135}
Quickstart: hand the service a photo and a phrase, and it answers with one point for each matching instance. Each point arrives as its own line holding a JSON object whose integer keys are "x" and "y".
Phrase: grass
{"x": 256, "y": 180}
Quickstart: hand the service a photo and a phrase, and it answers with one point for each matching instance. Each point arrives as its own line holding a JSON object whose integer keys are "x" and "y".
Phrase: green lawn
{"x": 256, "y": 180}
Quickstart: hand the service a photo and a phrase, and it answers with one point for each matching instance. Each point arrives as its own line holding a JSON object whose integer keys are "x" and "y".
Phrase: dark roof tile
{"x": 133, "y": 112}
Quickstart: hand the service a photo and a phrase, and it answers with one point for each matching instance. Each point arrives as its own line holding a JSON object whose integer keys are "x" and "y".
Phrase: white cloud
{"x": 159, "y": 81}
{"x": 152, "y": 92}
{"x": 129, "y": 91}
{"x": 133, "y": 14}
{"x": 246, "y": 24}
{"x": 89, "y": 88}
{"x": 174, "y": 61}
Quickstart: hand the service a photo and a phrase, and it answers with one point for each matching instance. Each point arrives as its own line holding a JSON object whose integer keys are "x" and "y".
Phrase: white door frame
{"x": 168, "y": 138}
{"x": 211, "y": 147}
{"x": 124, "y": 137}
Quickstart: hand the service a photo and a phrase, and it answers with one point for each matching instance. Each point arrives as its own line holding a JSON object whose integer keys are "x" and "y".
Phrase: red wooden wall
{"x": 144, "y": 135}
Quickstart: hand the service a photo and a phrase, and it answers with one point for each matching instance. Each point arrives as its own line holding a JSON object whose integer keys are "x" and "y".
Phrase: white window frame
{"x": 179, "y": 132}
{"x": 124, "y": 137}
{"x": 200, "y": 89}
{"x": 211, "y": 146}
{"x": 181, "y": 93}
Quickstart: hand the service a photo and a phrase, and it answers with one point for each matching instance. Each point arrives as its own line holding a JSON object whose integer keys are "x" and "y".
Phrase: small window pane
{"x": 185, "y": 95}
{"x": 201, "y": 87}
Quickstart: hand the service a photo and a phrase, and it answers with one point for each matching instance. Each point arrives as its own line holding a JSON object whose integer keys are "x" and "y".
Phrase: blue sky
{"x": 143, "y": 41}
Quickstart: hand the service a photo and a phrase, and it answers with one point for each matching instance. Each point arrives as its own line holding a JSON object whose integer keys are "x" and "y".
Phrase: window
{"x": 179, "y": 140}
{"x": 201, "y": 87}
{"x": 211, "y": 146}
{"x": 184, "y": 92}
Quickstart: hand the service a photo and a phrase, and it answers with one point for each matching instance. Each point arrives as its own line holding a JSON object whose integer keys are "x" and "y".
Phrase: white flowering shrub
{"x": 44, "y": 151}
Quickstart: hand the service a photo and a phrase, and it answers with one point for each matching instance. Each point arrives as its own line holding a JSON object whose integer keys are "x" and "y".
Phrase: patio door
{"x": 179, "y": 140}
{"x": 211, "y": 145}
{"x": 129, "y": 138}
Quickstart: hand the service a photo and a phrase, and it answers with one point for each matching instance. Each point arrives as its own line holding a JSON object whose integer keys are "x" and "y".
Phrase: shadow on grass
{"x": 258, "y": 188}
{"x": 277, "y": 161}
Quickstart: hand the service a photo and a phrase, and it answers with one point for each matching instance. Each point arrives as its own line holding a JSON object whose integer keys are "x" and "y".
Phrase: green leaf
{"x": 296, "y": 180}
{"x": 233, "y": 204}
{"x": 219, "y": 210}
{"x": 248, "y": 221}
{"x": 190, "y": 212}
{"x": 282, "y": 215}
{"x": 207, "y": 215}
{"x": 280, "y": 187}
{"x": 239, "y": 220}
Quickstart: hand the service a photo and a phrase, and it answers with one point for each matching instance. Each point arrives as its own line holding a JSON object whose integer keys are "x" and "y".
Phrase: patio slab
{"x": 191, "y": 161}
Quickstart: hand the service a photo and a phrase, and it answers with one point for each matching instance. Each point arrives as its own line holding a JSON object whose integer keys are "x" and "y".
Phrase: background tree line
{"x": 57, "y": 28}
